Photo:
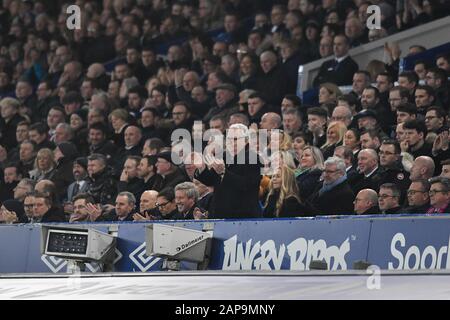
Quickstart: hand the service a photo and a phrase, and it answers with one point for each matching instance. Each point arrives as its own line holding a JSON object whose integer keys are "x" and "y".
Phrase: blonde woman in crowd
{"x": 44, "y": 165}
{"x": 335, "y": 137}
{"x": 309, "y": 172}
{"x": 282, "y": 200}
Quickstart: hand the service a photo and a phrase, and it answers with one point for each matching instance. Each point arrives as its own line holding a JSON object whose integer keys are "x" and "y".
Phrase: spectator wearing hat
{"x": 12, "y": 211}
{"x": 340, "y": 70}
{"x": 226, "y": 99}
{"x": 80, "y": 185}
{"x": 65, "y": 153}
{"x": 170, "y": 173}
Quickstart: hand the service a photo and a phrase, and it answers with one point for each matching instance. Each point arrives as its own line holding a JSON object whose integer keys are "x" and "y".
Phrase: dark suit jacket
{"x": 236, "y": 194}
{"x": 338, "y": 200}
{"x": 71, "y": 187}
{"x": 341, "y": 74}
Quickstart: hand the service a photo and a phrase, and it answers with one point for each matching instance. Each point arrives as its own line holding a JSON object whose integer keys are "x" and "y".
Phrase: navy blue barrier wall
{"x": 394, "y": 242}
{"x": 428, "y": 55}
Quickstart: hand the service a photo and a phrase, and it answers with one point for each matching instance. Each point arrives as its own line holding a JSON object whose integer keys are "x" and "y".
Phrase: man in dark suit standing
{"x": 339, "y": 70}
{"x": 236, "y": 181}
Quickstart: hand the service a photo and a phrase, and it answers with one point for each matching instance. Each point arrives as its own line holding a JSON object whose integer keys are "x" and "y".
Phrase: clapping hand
{"x": 9, "y": 216}
{"x": 199, "y": 214}
{"x": 94, "y": 211}
{"x": 441, "y": 142}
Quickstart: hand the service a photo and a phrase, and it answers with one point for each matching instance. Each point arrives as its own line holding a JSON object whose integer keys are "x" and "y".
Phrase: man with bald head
{"x": 366, "y": 202}
{"x": 370, "y": 170}
{"x": 270, "y": 120}
{"x": 147, "y": 206}
{"x": 273, "y": 79}
{"x": 422, "y": 168}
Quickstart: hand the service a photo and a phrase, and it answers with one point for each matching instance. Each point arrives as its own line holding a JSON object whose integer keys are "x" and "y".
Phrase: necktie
{"x": 76, "y": 189}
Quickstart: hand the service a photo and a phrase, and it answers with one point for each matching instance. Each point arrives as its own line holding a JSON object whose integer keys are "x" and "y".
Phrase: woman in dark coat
{"x": 65, "y": 153}
{"x": 283, "y": 200}
{"x": 309, "y": 172}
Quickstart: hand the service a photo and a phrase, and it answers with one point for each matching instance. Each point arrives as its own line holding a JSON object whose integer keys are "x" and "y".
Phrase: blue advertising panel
{"x": 391, "y": 242}
{"x": 289, "y": 244}
{"x": 410, "y": 244}
{"x": 14, "y": 244}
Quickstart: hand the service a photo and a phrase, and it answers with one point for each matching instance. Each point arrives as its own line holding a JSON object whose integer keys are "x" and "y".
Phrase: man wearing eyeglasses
{"x": 418, "y": 197}
{"x": 392, "y": 170}
{"x": 335, "y": 195}
{"x": 439, "y": 195}
{"x": 389, "y": 198}
{"x": 165, "y": 203}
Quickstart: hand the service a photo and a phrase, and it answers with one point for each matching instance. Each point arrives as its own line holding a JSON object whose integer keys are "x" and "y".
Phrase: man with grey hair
{"x": 235, "y": 177}
{"x": 292, "y": 121}
{"x": 186, "y": 197}
{"x": 335, "y": 195}
{"x": 342, "y": 114}
{"x": 366, "y": 202}
{"x": 389, "y": 198}
{"x": 63, "y": 133}
{"x": 125, "y": 206}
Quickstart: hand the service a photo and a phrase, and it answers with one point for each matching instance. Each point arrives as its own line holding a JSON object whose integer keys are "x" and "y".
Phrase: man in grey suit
{"x": 80, "y": 174}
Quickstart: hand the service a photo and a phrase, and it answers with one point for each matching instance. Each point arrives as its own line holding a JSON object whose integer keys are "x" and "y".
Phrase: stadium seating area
{"x": 146, "y": 111}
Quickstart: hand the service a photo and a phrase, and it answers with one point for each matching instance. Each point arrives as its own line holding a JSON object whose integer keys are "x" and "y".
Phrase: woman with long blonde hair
{"x": 335, "y": 137}
{"x": 283, "y": 200}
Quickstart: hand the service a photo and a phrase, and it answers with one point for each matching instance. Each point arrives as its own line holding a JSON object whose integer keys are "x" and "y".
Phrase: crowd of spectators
{"x": 87, "y": 115}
